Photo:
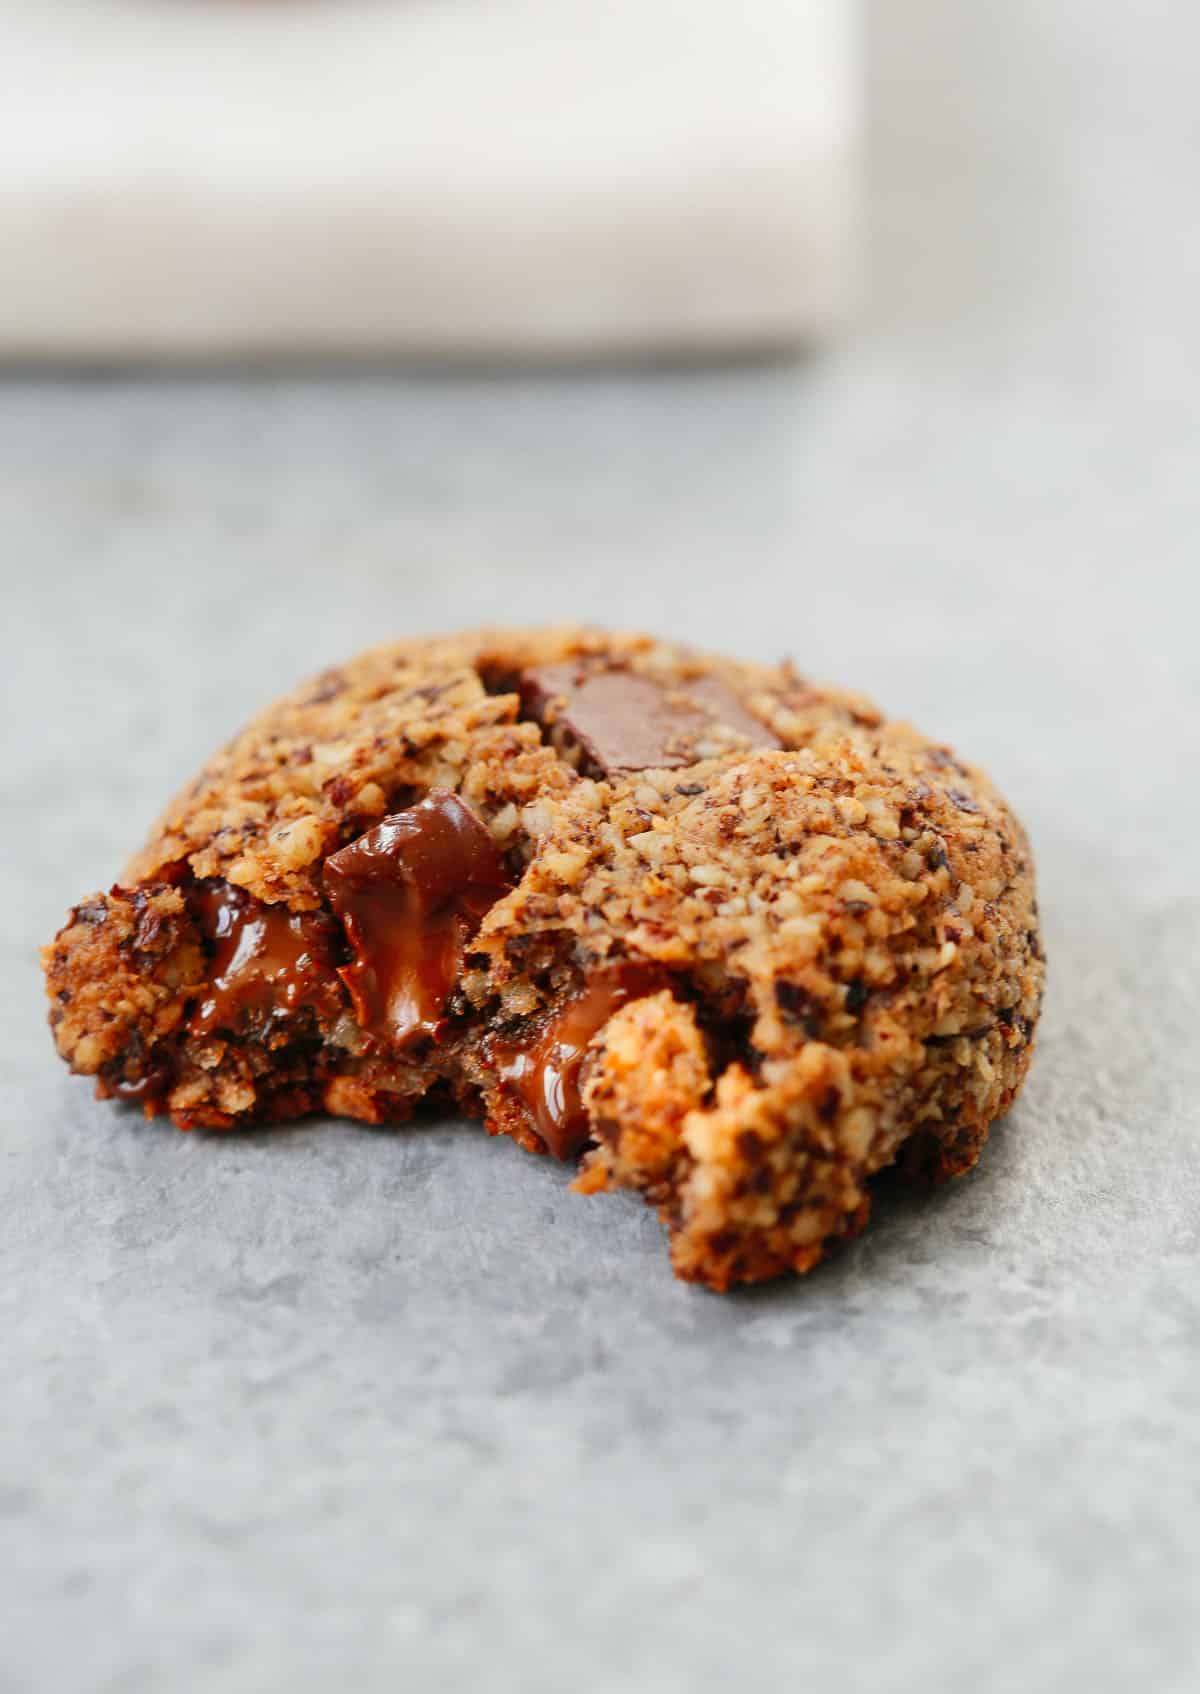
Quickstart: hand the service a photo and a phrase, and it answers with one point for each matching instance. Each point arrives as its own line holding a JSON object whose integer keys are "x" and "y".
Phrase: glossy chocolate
{"x": 410, "y": 893}
{"x": 545, "y": 1071}
{"x": 146, "y": 1088}
{"x": 621, "y": 720}
{"x": 264, "y": 959}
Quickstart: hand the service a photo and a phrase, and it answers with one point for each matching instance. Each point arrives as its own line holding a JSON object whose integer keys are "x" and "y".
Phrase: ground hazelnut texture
{"x": 732, "y": 939}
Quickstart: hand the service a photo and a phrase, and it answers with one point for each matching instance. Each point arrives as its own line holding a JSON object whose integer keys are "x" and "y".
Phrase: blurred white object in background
{"x": 436, "y": 178}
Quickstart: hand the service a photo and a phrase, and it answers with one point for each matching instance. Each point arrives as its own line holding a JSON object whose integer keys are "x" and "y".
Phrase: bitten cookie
{"x": 732, "y": 938}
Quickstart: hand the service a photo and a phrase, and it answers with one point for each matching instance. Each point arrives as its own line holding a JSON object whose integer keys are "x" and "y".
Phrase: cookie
{"x": 729, "y": 938}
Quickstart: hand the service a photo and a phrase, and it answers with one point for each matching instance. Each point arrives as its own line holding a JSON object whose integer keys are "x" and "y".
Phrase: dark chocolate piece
{"x": 149, "y": 1087}
{"x": 410, "y": 893}
{"x": 265, "y": 959}
{"x": 798, "y": 1006}
{"x": 544, "y": 1072}
{"x": 621, "y": 720}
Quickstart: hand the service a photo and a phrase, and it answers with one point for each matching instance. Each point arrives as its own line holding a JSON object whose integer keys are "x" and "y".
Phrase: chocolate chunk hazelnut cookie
{"x": 729, "y": 938}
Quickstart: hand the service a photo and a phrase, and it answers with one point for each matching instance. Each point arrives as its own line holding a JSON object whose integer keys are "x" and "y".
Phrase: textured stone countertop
{"x": 329, "y": 1406}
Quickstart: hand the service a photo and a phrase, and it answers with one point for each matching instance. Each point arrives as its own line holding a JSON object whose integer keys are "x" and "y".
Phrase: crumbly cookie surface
{"x": 736, "y": 938}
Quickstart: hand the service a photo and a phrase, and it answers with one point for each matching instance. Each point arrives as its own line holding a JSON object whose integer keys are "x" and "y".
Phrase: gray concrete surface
{"x": 332, "y": 1407}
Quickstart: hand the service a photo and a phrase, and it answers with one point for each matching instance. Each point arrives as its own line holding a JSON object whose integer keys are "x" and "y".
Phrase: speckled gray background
{"x": 390, "y": 1411}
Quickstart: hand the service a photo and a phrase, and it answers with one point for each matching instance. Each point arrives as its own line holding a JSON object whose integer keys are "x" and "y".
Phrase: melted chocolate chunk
{"x": 410, "y": 893}
{"x": 544, "y": 1072}
{"x": 620, "y": 720}
{"x": 265, "y": 959}
{"x": 150, "y": 1086}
